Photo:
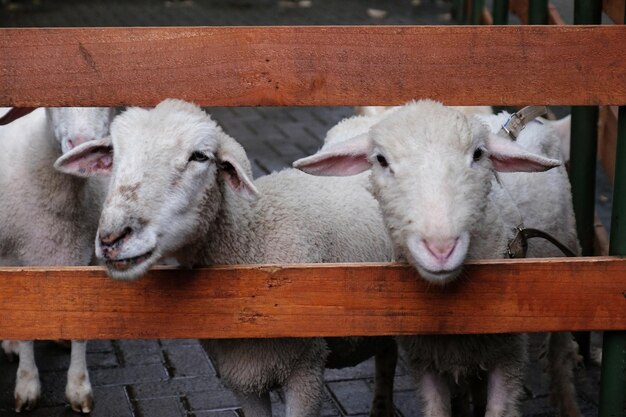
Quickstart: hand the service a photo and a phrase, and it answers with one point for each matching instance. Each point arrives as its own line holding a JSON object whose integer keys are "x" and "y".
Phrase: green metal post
{"x": 583, "y": 159}
{"x": 538, "y": 12}
{"x": 500, "y": 12}
{"x": 477, "y": 11}
{"x": 613, "y": 382}
{"x": 458, "y": 8}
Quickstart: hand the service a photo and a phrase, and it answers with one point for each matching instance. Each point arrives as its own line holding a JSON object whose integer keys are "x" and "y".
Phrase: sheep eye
{"x": 478, "y": 153}
{"x": 382, "y": 161}
{"x": 198, "y": 157}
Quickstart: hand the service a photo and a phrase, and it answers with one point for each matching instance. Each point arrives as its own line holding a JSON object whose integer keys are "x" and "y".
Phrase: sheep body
{"x": 48, "y": 218}
{"x": 442, "y": 204}
{"x": 176, "y": 191}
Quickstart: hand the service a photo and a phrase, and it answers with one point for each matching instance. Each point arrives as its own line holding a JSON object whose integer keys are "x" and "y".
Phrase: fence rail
{"x": 327, "y": 65}
{"x": 532, "y": 295}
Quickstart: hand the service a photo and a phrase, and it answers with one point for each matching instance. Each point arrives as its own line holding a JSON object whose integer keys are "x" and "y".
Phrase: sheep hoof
{"x": 25, "y": 404}
{"x": 79, "y": 394}
{"x": 27, "y": 391}
{"x": 85, "y": 406}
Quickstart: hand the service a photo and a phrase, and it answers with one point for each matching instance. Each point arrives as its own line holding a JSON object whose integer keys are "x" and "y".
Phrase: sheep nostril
{"x": 441, "y": 249}
{"x": 109, "y": 240}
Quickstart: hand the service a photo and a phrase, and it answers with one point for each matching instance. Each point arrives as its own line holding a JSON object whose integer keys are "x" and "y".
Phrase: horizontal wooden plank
{"x": 321, "y": 65}
{"x": 310, "y": 300}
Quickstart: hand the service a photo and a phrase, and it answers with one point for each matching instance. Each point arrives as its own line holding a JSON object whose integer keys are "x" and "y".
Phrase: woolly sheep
{"x": 434, "y": 176}
{"x": 49, "y": 218}
{"x": 181, "y": 187}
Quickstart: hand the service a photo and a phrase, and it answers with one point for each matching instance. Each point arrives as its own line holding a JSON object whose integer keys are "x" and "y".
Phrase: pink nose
{"x": 441, "y": 249}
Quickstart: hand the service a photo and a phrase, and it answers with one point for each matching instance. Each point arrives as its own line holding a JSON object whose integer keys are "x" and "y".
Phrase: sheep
{"x": 181, "y": 187}
{"x": 436, "y": 179}
{"x": 49, "y": 218}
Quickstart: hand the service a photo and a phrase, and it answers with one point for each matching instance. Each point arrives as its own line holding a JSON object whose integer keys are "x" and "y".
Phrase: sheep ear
{"x": 15, "y": 113}
{"x": 508, "y": 156}
{"x": 88, "y": 159}
{"x": 563, "y": 129}
{"x": 343, "y": 159}
{"x": 234, "y": 168}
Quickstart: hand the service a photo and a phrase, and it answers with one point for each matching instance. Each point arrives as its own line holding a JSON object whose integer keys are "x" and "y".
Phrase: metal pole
{"x": 538, "y": 12}
{"x": 458, "y": 8}
{"x": 500, "y": 12}
{"x": 477, "y": 11}
{"x": 583, "y": 160}
{"x": 613, "y": 382}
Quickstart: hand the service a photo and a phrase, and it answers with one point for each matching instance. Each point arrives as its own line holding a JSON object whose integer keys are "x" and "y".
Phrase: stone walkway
{"x": 175, "y": 378}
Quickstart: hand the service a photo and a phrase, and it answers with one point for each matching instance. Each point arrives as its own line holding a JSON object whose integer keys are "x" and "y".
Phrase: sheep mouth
{"x": 128, "y": 263}
{"x": 442, "y": 276}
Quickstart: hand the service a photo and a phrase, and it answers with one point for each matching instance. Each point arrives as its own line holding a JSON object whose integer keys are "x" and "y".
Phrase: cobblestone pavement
{"x": 173, "y": 378}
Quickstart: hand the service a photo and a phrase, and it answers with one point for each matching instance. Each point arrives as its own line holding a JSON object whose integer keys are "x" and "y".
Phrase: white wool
{"x": 49, "y": 218}
{"x": 436, "y": 197}
{"x": 177, "y": 187}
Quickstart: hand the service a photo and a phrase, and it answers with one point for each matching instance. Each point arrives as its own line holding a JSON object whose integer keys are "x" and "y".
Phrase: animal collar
{"x": 518, "y": 120}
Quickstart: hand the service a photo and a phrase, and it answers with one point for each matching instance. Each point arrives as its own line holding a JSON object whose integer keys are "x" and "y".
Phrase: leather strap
{"x": 518, "y": 247}
{"x": 518, "y": 120}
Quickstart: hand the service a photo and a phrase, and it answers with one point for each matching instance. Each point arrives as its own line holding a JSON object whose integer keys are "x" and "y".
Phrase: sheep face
{"x": 432, "y": 182}
{"x": 73, "y": 126}
{"x": 167, "y": 173}
{"x": 431, "y": 173}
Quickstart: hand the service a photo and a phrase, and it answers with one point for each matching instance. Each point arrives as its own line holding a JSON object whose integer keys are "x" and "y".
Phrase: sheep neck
{"x": 226, "y": 233}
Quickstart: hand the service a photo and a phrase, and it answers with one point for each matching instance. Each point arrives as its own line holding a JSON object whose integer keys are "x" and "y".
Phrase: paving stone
{"x": 111, "y": 402}
{"x": 407, "y": 404}
{"x": 140, "y": 352}
{"x": 217, "y": 413}
{"x": 353, "y": 396}
{"x": 160, "y": 407}
{"x": 94, "y": 346}
{"x": 188, "y": 360}
{"x": 212, "y": 400}
{"x": 175, "y": 387}
{"x": 128, "y": 375}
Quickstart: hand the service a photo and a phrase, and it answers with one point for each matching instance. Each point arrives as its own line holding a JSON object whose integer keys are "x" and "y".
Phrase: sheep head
{"x": 431, "y": 173}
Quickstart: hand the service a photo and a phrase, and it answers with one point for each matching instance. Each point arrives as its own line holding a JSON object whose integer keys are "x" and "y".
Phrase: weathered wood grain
{"x": 309, "y": 300}
{"x": 250, "y": 66}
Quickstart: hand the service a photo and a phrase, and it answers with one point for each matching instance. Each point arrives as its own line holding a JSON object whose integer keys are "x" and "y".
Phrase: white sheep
{"x": 435, "y": 179}
{"x": 49, "y": 218}
{"x": 181, "y": 187}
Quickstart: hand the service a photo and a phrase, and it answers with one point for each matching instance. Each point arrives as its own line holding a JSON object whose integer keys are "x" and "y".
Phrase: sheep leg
{"x": 382, "y": 405}
{"x": 11, "y": 349}
{"x": 78, "y": 389}
{"x": 254, "y": 405}
{"x": 435, "y": 395}
{"x": 563, "y": 357}
{"x": 503, "y": 392}
{"x": 304, "y": 392}
{"x": 27, "y": 384}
